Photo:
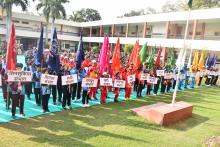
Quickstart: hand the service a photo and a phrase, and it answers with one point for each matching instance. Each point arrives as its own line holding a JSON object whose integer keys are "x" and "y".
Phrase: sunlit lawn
{"x": 115, "y": 125}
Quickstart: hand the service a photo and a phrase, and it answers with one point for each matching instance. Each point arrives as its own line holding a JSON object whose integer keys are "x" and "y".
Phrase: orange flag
{"x": 134, "y": 52}
{"x": 116, "y": 57}
{"x": 137, "y": 59}
{"x": 195, "y": 61}
{"x": 11, "y": 55}
{"x": 201, "y": 61}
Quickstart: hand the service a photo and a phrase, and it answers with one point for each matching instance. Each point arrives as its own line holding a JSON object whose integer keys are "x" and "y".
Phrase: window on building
{"x": 67, "y": 46}
{"x": 16, "y": 21}
{"x": 25, "y": 22}
{"x": 217, "y": 33}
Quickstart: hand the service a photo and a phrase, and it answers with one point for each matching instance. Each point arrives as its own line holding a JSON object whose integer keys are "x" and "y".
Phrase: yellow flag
{"x": 195, "y": 61}
{"x": 201, "y": 61}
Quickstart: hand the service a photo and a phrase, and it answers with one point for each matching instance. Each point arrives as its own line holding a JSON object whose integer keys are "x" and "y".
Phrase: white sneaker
{"x": 87, "y": 105}
{"x": 84, "y": 105}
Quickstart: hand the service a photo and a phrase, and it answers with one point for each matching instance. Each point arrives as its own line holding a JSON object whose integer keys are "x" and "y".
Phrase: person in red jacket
{"x": 93, "y": 73}
{"x": 128, "y": 86}
{"x": 116, "y": 89}
{"x": 140, "y": 83}
{"x": 104, "y": 90}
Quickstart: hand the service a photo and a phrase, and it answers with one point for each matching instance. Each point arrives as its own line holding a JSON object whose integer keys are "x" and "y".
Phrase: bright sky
{"x": 107, "y": 8}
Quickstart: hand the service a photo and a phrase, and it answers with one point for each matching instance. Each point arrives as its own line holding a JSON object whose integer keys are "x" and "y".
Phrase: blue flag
{"x": 211, "y": 62}
{"x": 40, "y": 46}
{"x": 80, "y": 53}
{"x": 54, "y": 59}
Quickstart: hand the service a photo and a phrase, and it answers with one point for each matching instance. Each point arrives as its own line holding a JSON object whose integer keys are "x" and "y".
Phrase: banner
{"x": 89, "y": 82}
{"x": 160, "y": 72}
{"x": 131, "y": 78}
{"x": 119, "y": 83}
{"x": 69, "y": 79}
{"x": 48, "y": 79}
{"x": 144, "y": 76}
{"x": 152, "y": 80}
{"x": 16, "y": 76}
{"x": 106, "y": 81}
{"x": 172, "y": 76}
{"x": 167, "y": 76}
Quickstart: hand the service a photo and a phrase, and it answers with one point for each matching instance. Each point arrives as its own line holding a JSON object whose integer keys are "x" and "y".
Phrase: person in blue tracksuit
{"x": 37, "y": 86}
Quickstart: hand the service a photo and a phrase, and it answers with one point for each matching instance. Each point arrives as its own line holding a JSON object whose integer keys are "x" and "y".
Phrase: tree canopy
{"x": 85, "y": 15}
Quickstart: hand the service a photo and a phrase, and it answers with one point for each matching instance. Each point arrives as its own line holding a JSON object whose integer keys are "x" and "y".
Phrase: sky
{"x": 108, "y": 9}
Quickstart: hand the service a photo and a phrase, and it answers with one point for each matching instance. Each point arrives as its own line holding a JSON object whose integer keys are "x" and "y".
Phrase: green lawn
{"x": 115, "y": 125}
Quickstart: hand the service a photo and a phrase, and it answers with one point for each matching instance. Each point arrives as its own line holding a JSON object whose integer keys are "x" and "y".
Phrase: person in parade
{"x": 18, "y": 94}
{"x": 140, "y": 83}
{"x": 66, "y": 89}
{"x": 37, "y": 87}
{"x": 128, "y": 85}
{"x": 116, "y": 89}
{"x": 93, "y": 73}
{"x": 149, "y": 84}
{"x": 193, "y": 78}
{"x": 85, "y": 91}
{"x": 28, "y": 85}
{"x": 104, "y": 90}
{"x": 187, "y": 76}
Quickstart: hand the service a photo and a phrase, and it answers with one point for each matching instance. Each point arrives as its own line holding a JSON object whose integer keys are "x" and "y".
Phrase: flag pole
{"x": 182, "y": 52}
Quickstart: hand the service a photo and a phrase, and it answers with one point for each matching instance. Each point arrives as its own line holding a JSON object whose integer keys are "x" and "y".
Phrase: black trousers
{"x": 163, "y": 87}
{"x": 17, "y": 99}
{"x": 8, "y": 99}
{"x": 148, "y": 89}
{"x": 74, "y": 88}
{"x": 85, "y": 97}
{"x": 28, "y": 89}
{"x": 215, "y": 80}
{"x": 136, "y": 84}
{"x": 200, "y": 81}
{"x": 174, "y": 84}
{"x": 139, "y": 89}
{"x": 212, "y": 80}
{"x": 54, "y": 93}
{"x": 38, "y": 96}
{"x": 156, "y": 87}
{"x": 60, "y": 92}
{"x": 207, "y": 82}
{"x": 66, "y": 99}
{"x": 169, "y": 85}
{"x": 45, "y": 100}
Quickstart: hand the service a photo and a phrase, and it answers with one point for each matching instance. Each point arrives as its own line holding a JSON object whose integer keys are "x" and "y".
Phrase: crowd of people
{"x": 14, "y": 93}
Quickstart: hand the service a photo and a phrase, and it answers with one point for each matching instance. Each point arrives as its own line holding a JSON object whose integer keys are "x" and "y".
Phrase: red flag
{"x": 134, "y": 52}
{"x": 137, "y": 59}
{"x": 157, "y": 62}
{"x": 11, "y": 56}
{"x": 116, "y": 57}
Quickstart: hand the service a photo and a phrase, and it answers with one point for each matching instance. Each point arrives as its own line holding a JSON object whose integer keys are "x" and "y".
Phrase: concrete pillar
{"x": 127, "y": 29}
{"x": 144, "y": 30}
{"x": 203, "y": 31}
{"x": 194, "y": 29}
{"x": 163, "y": 53}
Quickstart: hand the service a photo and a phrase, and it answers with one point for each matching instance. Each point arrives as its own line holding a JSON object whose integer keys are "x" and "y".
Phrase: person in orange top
{"x": 93, "y": 74}
{"x": 104, "y": 90}
{"x": 128, "y": 86}
{"x": 116, "y": 89}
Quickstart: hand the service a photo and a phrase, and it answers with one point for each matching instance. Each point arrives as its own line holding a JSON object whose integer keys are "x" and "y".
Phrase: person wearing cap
{"x": 104, "y": 90}
{"x": 18, "y": 94}
{"x": 37, "y": 87}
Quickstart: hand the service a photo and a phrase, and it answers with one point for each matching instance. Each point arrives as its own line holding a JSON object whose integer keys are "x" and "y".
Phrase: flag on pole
{"x": 207, "y": 61}
{"x": 157, "y": 62}
{"x": 104, "y": 58}
{"x": 137, "y": 60}
{"x": 54, "y": 59}
{"x": 11, "y": 55}
{"x": 134, "y": 52}
{"x": 211, "y": 62}
{"x": 201, "y": 61}
{"x": 195, "y": 61}
{"x": 216, "y": 58}
{"x": 143, "y": 53}
{"x": 116, "y": 57}
{"x": 171, "y": 60}
{"x": 150, "y": 59}
{"x": 80, "y": 53}
{"x": 40, "y": 47}
{"x": 190, "y": 3}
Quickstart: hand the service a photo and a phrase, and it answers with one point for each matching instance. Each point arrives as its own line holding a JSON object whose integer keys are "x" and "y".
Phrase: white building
{"x": 164, "y": 29}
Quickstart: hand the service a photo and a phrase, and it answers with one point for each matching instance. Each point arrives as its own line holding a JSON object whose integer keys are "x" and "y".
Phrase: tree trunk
{"x": 8, "y": 21}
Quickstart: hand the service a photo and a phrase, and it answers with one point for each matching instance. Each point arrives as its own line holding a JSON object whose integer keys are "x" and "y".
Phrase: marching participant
{"x": 93, "y": 74}
{"x": 37, "y": 87}
{"x": 66, "y": 93}
{"x": 149, "y": 85}
{"x": 128, "y": 86}
{"x": 140, "y": 83}
{"x": 85, "y": 92}
{"x": 116, "y": 89}
{"x": 104, "y": 90}
{"x": 28, "y": 85}
{"x": 18, "y": 94}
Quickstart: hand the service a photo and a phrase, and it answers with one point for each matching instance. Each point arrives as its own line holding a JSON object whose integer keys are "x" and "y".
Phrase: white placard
{"x": 131, "y": 78}
{"x": 106, "y": 81}
{"x": 144, "y": 76}
{"x": 167, "y": 76}
{"x": 172, "y": 76}
{"x": 0, "y": 80}
{"x": 119, "y": 83}
{"x": 152, "y": 80}
{"x": 89, "y": 82}
{"x": 160, "y": 72}
{"x": 48, "y": 79}
{"x": 69, "y": 79}
{"x": 23, "y": 76}
{"x": 182, "y": 76}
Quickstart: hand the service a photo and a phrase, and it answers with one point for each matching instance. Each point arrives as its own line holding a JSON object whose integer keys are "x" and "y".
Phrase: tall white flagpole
{"x": 182, "y": 52}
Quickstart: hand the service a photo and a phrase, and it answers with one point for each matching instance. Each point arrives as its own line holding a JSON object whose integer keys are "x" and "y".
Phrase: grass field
{"x": 115, "y": 125}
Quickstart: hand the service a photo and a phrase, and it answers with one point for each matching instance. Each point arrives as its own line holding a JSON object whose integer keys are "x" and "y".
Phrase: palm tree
{"x": 7, "y": 6}
{"x": 52, "y": 9}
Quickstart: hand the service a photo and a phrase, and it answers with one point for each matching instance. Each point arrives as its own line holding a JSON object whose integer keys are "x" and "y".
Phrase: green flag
{"x": 171, "y": 60}
{"x": 143, "y": 53}
{"x": 190, "y": 4}
{"x": 150, "y": 59}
